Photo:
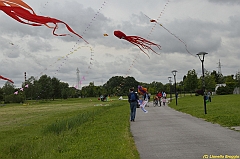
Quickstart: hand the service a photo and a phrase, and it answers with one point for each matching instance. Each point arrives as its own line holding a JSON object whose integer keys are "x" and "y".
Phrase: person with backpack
{"x": 133, "y": 100}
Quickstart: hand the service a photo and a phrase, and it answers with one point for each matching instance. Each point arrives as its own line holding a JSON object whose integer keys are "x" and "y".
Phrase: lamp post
{"x": 174, "y": 72}
{"x": 201, "y": 58}
{"x": 170, "y": 81}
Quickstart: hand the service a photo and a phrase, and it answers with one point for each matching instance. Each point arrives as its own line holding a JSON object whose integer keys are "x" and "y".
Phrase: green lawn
{"x": 73, "y": 128}
{"x": 224, "y": 109}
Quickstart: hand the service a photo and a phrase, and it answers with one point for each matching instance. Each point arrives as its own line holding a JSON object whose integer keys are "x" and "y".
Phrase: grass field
{"x": 73, "y": 128}
{"x": 224, "y": 109}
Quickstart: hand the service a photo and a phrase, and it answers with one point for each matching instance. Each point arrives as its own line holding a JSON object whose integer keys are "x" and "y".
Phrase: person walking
{"x": 209, "y": 96}
{"x": 146, "y": 98}
{"x": 164, "y": 100}
{"x": 159, "y": 94}
{"x": 142, "y": 104}
{"x": 133, "y": 100}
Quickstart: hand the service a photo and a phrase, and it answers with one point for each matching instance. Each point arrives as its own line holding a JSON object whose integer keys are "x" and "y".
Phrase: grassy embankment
{"x": 73, "y": 128}
{"x": 224, "y": 109}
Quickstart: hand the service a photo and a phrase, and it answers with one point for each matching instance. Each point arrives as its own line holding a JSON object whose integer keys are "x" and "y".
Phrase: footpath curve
{"x": 166, "y": 133}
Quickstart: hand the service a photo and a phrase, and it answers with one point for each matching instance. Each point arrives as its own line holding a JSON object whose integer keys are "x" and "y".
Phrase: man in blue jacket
{"x": 133, "y": 100}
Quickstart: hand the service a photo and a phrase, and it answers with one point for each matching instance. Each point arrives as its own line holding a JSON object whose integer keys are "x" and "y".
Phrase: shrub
{"x": 199, "y": 92}
{"x": 13, "y": 98}
{"x": 223, "y": 90}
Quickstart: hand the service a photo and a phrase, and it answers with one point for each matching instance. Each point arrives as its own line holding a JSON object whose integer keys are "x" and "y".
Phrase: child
{"x": 164, "y": 101}
{"x": 142, "y": 104}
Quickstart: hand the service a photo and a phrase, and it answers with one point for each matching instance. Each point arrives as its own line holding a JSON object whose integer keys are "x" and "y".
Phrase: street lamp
{"x": 170, "y": 81}
{"x": 174, "y": 72}
{"x": 201, "y": 58}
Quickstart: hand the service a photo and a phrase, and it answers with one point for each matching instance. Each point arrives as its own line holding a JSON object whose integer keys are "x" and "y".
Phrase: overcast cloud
{"x": 208, "y": 25}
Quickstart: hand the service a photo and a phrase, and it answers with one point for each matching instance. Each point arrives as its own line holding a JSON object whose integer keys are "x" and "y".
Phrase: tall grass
{"x": 67, "y": 129}
{"x": 69, "y": 123}
{"x": 224, "y": 109}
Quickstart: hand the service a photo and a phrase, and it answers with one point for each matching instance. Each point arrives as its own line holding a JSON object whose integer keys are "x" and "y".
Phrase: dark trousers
{"x": 133, "y": 107}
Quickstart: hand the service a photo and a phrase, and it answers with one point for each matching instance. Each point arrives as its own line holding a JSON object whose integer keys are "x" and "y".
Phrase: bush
{"x": 231, "y": 85}
{"x": 13, "y": 98}
{"x": 223, "y": 90}
{"x": 199, "y": 92}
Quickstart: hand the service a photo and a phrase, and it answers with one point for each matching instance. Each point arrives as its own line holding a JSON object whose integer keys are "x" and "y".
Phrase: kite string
{"x": 89, "y": 65}
{"x": 86, "y": 29}
{"x": 156, "y": 22}
{"x": 90, "y": 23}
{"x": 126, "y": 75}
{"x": 128, "y": 72}
{"x": 59, "y": 68}
{"x": 186, "y": 48}
{"x": 27, "y": 54}
{"x": 65, "y": 58}
{"x": 160, "y": 15}
{"x": 131, "y": 66}
{"x": 95, "y": 17}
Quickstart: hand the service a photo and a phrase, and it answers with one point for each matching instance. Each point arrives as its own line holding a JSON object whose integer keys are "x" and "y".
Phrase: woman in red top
{"x": 159, "y": 98}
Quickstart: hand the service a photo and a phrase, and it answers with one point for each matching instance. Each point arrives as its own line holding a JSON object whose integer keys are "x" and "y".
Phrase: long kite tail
{"x": 146, "y": 44}
{"x": 7, "y": 79}
{"x": 140, "y": 48}
{"x": 18, "y": 13}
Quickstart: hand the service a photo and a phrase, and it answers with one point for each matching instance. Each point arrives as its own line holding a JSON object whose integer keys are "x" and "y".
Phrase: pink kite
{"x": 138, "y": 41}
{"x": 4, "y": 78}
{"x": 23, "y": 13}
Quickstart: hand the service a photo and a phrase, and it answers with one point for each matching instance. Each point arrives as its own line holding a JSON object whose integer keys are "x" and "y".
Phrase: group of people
{"x": 159, "y": 98}
{"x": 134, "y": 100}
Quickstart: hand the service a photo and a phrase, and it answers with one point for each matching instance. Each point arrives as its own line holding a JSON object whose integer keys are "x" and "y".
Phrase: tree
{"x": 229, "y": 78}
{"x": 218, "y": 77}
{"x": 64, "y": 90}
{"x": 30, "y": 91}
{"x": 210, "y": 83}
{"x": 1, "y": 95}
{"x": 155, "y": 87}
{"x": 8, "y": 88}
{"x": 45, "y": 87}
{"x": 237, "y": 77}
{"x": 119, "y": 85}
{"x": 191, "y": 81}
{"x": 116, "y": 84}
{"x": 230, "y": 82}
{"x": 56, "y": 89}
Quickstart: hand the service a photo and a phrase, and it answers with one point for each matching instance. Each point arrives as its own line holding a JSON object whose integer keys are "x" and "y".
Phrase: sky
{"x": 188, "y": 27}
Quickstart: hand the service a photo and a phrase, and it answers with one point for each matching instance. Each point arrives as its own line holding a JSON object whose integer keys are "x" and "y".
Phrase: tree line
{"x": 47, "y": 88}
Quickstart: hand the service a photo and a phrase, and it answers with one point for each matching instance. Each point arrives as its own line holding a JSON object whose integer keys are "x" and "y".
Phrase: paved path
{"x": 166, "y": 133}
